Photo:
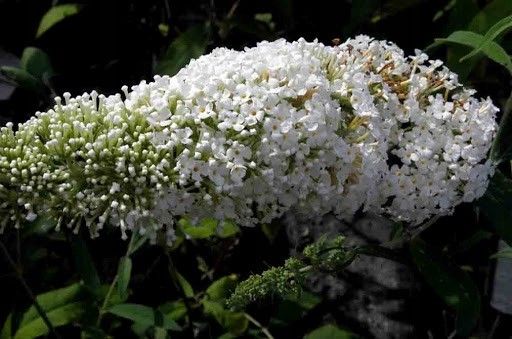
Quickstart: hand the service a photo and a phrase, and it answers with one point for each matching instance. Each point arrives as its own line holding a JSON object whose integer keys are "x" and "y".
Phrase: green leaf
{"x": 329, "y": 332}
{"x": 124, "y": 274}
{"x": 84, "y": 264}
{"x": 503, "y": 254}
{"x": 227, "y": 229}
{"x": 222, "y": 288}
{"x": 52, "y": 300}
{"x": 492, "y": 50}
{"x": 496, "y": 205}
{"x": 58, "y": 317}
{"x": 55, "y": 15}
{"x": 452, "y": 284}
{"x": 185, "y": 285}
{"x": 22, "y": 78}
{"x": 204, "y": 229}
{"x": 175, "y": 309}
{"x": 490, "y": 14}
{"x": 227, "y": 335}
{"x": 135, "y": 312}
{"x": 160, "y": 333}
{"x": 62, "y": 306}
{"x": 136, "y": 242}
{"x": 6, "y": 332}
{"x": 188, "y": 45}
{"x": 492, "y": 34}
{"x": 235, "y": 322}
{"x": 293, "y": 308}
{"x": 144, "y": 315}
{"x": 36, "y": 62}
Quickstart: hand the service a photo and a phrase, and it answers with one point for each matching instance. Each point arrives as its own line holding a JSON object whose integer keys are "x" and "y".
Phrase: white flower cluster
{"x": 246, "y": 136}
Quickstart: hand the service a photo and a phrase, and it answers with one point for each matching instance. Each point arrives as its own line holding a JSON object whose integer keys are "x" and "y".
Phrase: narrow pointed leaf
{"x": 492, "y": 34}
{"x": 55, "y": 15}
{"x": 124, "y": 275}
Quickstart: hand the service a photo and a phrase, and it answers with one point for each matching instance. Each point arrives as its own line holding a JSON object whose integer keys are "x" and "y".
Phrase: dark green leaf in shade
{"x": 188, "y": 45}
{"x": 84, "y": 264}
{"x": 452, "y": 284}
{"x": 36, "y": 62}
{"x": 22, "y": 79}
{"x": 496, "y": 205}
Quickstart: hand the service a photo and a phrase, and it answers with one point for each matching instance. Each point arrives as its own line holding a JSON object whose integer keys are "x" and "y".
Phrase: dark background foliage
{"x": 108, "y": 43}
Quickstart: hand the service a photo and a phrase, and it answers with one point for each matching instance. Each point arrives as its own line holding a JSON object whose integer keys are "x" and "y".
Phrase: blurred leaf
{"x": 501, "y": 149}
{"x": 124, "y": 274}
{"x": 36, "y": 62}
{"x": 7, "y": 328}
{"x": 55, "y": 15}
{"x": 175, "y": 309}
{"x": 188, "y": 45}
{"x": 93, "y": 332}
{"x": 360, "y": 12}
{"x": 462, "y": 12}
{"x": 448, "y": 7}
{"x": 160, "y": 333}
{"x": 501, "y": 27}
{"x": 114, "y": 299}
{"x": 227, "y": 229}
{"x": 265, "y": 18}
{"x": 506, "y": 254}
{"x": 452, "y": 284}
{"x": 496, "y": 205}
{"x": 393, "y": 7}
{"x": 492, "y": 50}
{"x": 293, "y": 308}
{"x": 227, "y": 336}
{"x": 137, "y": 241}
{"x": 329, "y": 332}
{"x": 22, "y": 78}
{"x": 84, "y": 264}
{"x": 204, "y": 229}
{"x": 144, "y": 315}
{"x": 490, "y": 14}
{"x": 271, "y": 230}
{"x": 185, "y": 285}
{"x": 220, "y": 289}
{"x": 285, "y": 8}
{"x": 39, "y": 226}
{"x": 164, "y": 29}
{"x": 235, "y": 322}
{"x": 169, "y": 323}
{"x": 59, "y": 316}
{"x": 466, "y": 244}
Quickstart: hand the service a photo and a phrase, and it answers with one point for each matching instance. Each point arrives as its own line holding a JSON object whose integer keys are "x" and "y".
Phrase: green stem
{"x": 106, "y": 301}
{"x": 259, "y": 325}
{"x": 174, "y": 277}
{"x": 29, "y": 292}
